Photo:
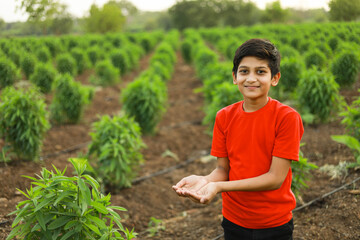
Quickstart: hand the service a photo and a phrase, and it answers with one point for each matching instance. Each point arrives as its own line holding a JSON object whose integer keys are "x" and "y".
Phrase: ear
{"x": 275, "y": 79}
{"x": 234, "y": 78}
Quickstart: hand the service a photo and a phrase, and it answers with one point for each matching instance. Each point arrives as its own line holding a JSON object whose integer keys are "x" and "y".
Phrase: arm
{"x": 271, "y": 180}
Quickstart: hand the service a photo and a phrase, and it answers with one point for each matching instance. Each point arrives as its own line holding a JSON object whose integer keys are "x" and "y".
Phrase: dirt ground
{"x": 181, "y": 132}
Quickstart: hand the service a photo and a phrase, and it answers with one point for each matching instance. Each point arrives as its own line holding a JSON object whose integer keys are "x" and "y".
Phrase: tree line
{"x": 52, "y": 17}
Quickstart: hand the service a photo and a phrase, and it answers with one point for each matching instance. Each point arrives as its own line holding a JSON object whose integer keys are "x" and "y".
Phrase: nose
{"x": 251, "y": 78}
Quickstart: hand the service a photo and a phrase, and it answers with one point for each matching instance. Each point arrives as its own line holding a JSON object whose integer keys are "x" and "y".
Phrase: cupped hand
{"x": 190, "y": 184}
{"x": 205, "y": 194}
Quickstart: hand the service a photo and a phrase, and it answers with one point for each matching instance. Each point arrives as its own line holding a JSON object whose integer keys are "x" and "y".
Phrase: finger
{"x": 194, "y": 199}
{"x": 181, "y": 183}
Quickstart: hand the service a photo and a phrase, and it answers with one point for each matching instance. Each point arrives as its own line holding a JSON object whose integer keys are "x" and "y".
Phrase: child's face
{"x": 253, "y": 78}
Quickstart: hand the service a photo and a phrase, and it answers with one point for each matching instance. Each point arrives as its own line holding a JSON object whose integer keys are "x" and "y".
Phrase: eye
{"x": 243, "y": 71}
{"x": 261, "y": 71}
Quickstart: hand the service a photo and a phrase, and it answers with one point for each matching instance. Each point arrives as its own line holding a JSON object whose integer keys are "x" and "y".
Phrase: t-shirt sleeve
{"x": 218, "y": 147}
{"x": 288, "y": 136}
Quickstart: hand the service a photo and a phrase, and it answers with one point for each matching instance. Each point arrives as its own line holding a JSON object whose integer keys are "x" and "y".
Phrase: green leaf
{"x": 60, "y": 221}
{"x": 118, "y": 208}
{"x": 97, "y": 221}
{"x": 93, "y": 228}
{"x": 349, "y": 141}
{"x": 40, "y": 218}
{"x": 44, "y": 203}
{"x": 71, "y": 224}
{"x": 99, "y": 207}
{"x": 68, "y": 234}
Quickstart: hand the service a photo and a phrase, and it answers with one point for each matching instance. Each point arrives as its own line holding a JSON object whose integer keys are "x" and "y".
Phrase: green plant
{"x": 300, "y": 173}
{"x": 314, "y": 57}
{"x": 345, "y": 68}
{"x": 43, "y": 54}
{"x": 94, "y": 54}
{"x": 15, "y": 55}
{"x": 145, "y": 99}
{"x": 291, "y": 69}
{"x": 60, "y": 207}
{"x": 115, "y": 150}
{"x": 154, "y": 226}
{"x": 146, "y": 43}
{"x": 23, "y": 121}
{"x": 159, "y": 69}
{"x": 82, "y": 62}
{"x": 288, "y": 51}
{"x": 8, "y": 72}
{"x": 318, "y": 94}
{"x": 224, "y": 94}
{"x": 186, "y": 47}
{"x": 43, "y": 77}
{"x": 70, "y": 99}
{"x": 120, "y": 60}
{"x": 106, "y": 74}
{"x": 66, "y": 64}
{"x": 353, "y": 144}
{"x": 27, "y": 64}
{"x": 351, "y": 119}
{"x": 333, "y": 43}
{"x": 203, "y": 58}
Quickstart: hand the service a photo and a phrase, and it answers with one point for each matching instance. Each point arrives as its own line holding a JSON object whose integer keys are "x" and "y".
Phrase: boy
{"x": 254, "y": 141}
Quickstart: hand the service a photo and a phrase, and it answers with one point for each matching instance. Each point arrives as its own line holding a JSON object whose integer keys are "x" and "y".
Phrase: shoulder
{"x": 229, "y": 110}
{"x": 283, "y": 110}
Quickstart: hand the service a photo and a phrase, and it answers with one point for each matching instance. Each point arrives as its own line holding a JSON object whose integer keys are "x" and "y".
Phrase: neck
{"x": 254, "y": 105}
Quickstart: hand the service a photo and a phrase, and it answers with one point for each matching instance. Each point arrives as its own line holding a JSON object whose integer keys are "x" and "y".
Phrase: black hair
{"x": 260, "y": 48}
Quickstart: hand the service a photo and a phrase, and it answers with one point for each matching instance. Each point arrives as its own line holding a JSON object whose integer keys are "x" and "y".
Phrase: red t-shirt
{"x": 249, "y": 140}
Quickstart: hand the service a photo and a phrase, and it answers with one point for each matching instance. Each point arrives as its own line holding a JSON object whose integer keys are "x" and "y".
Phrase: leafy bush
{"x": 301, "y": 173}
{"x": 60, "y": 207}
{"x": 217, "y": 74}
{"x": 146, "y": 43}
{"x": 70, "y": 99}
{"x": 164, "y": 59}
{"x": 288, "y": 51}
{"x": 291, "y": 70}
{"x": 80, "y": 58}
{"x": 43, "y": 77}
{"x": 94, "y": 54}
{"x": 203, "y": 58}
{"x": 145, "y": 99}
{"x": 120, "y": 60}
{"x": 115, "y": 150}
{"x": 27, "y": 64}
{"x": 353, "y": 144}
{"x": 345, "y": 68}
{"x": 15, "y": 56}
{"x": 8, "y": 73}
{"x": 333, "y": 43}
{"x": 106, "y": 74}
{"x": 225, "y": 94}
{"x": 166, "y": 48}
{"x": 315, "y": 57}
{"x": 23, "y": 121}
{"x": 351, "y": 119}
{"x": 159, "y": 69}
{"x": 66, "y": 64}
{"x": 318, "y": 94}
{"x": 186, "y": 51}
{"x": 43, "y": 54}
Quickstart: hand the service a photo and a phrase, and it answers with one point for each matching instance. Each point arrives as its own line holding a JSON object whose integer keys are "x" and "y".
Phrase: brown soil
{"x": 181, "y": 132}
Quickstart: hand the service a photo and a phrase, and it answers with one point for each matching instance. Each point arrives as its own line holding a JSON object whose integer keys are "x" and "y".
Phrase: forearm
{"x": 218, "y": 174}
{"x": 263, "y": 182}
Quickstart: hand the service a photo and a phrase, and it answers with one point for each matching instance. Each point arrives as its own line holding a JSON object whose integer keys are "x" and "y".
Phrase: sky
{"x": 79, "y": 8}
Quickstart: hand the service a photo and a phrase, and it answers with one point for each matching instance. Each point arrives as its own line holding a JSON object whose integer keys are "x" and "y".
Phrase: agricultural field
{"x": 178, "y": 81}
